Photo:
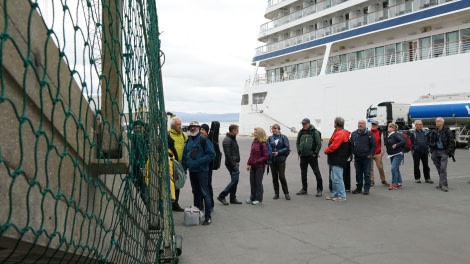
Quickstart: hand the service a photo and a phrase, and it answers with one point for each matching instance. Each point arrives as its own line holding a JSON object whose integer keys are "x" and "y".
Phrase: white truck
{"x": 454, "y": 108}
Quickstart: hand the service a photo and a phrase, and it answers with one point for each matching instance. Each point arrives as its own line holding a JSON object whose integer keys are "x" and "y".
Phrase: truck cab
{"x": 389, "y": 112}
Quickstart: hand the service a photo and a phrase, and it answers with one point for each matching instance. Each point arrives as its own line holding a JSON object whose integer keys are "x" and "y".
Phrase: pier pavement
{"x": 417, "y": 224}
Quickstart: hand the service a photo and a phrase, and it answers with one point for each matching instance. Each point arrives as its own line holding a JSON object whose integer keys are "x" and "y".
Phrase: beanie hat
{"x": 206, "y": 127}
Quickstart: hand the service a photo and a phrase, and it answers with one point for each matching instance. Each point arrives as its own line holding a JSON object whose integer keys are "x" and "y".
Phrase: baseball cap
{"x": 194, "y": 123}
{"x": 305, "y": 121}
{"x": 375, "y": 122}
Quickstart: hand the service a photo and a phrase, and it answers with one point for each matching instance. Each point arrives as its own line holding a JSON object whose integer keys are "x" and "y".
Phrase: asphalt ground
{"x": 416, "y": 224}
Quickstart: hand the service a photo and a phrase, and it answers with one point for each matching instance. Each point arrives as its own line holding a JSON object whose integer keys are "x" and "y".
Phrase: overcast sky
{"x": 208, "y": 46}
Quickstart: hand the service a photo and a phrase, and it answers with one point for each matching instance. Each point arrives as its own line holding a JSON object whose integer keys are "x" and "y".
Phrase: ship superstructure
{"x": 323, "y": 59}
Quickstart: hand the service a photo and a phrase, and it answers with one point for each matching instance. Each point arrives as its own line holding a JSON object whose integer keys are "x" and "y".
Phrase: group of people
{"x": 363, "y": 145}
{"x": 366, "y": 147}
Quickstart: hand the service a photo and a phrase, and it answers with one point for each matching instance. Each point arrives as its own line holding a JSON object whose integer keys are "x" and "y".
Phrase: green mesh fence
{"x": 83, "y": 146}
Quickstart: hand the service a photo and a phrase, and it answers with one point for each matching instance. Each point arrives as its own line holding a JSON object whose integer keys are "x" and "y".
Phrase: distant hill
{"x": 206, "y": 118}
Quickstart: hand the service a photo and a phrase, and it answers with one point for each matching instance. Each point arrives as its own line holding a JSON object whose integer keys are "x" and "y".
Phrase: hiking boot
{"x": 302, "y": 192}
{"x": 207, "y": 222}
{"x": 318, "y": 194}
{"x": 418, "y": 181}
{"x": 287, "y": 196}
{"x": 235, "y": 201}
{"x": 222, "y": 200}
{"x": 357, "y": 191}
{"x": 177, "y": 208}
{"x": 428, "y": 181}
{"x": 276, "y": 196}
{"x": 384, "y": 182}
{"x": 366, "y": 192}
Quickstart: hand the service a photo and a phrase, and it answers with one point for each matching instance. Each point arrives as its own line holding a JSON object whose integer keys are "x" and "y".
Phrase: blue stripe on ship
{"x": 442, "y": 110}
{"x": 424, "y": 14}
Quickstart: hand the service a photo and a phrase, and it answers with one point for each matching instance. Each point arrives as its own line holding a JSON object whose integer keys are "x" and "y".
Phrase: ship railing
{"x": 350, "y": 62}
{"x": 305, "y": 11}
{"x": 401, "y": 8}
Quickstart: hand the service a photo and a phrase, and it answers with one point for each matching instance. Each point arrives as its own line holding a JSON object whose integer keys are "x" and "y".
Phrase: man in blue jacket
{"x": 364, "y": 150}
{"x": 197, "y": 154}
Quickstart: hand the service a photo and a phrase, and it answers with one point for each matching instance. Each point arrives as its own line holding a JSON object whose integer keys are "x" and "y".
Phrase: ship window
{"x": 361, "y": 61}
{"x": 245, "y": 99}
{"x": 424, "y": 48}
{"x": 390, "y": 54}
{"x": 313, "y": 68}
{"x": 465, "y": 38}
{"x": 437, "y": 45}
{"x": 352, "y": 61}
{"x": 271, "y": 76}
{"x": 369, "y": 56}
{"x": 278, "y": 74}
{"x": 258, "y": 98}
{"x": 452, "y": 46}
{"x": 343, "y": 63}
{"x": 379, "y": 54}
{"x": 401, "y": 52}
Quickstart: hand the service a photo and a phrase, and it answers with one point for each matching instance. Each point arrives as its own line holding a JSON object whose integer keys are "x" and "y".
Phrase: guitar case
{"x": 214, "y": 138}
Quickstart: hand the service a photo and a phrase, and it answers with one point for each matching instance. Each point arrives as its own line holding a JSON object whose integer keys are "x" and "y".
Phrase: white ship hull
{"x": 349, "y": 94}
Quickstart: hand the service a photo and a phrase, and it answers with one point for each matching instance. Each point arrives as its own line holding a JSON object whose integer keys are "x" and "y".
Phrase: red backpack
{"x": 408, "y": 145}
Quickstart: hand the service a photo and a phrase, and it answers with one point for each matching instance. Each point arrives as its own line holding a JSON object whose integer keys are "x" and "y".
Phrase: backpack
{"x": 408, "y": 145}
{"x": 215, "y": 164}
{"x": 270, "y": 154}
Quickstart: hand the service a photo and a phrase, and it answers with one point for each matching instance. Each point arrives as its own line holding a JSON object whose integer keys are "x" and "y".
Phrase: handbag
{"x": 179, "y": 175}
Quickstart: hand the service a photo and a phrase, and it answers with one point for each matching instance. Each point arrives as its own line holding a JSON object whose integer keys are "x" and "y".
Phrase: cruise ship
{"x": 323, "y": 59}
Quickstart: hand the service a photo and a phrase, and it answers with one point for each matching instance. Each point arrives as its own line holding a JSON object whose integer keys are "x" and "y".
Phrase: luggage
{"x": 191, "y": 216}
{"x": 346, "y": 178}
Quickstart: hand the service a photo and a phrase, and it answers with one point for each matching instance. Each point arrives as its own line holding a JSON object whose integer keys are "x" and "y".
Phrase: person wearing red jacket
{"x": 338, "y": 151}
{"x": 378, "y": 155}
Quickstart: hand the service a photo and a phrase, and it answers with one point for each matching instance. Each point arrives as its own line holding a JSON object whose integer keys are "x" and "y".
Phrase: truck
{"x": 454, "y": 108}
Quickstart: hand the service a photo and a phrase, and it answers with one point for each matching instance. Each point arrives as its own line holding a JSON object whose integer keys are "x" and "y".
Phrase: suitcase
{"x": 191, "y": 216}
{"x": 346, "y": 177}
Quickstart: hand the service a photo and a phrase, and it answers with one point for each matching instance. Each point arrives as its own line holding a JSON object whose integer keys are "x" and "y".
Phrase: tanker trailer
{"x": 454, "y": 108}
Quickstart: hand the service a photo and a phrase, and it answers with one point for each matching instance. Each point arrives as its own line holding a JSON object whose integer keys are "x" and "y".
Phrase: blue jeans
{"x": 396, "y": 175}
{"x": 232, "y": 185}
{"x": 362, "y": 173}
{"x": 200, "y": 187}
{"x": 337, "y": 182}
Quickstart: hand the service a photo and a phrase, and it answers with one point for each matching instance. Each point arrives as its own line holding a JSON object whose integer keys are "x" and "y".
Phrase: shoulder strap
{"x": 202, "y": 140}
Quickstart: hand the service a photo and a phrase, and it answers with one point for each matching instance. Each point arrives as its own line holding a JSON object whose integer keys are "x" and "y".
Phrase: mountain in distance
{"x": 207, "y": 118}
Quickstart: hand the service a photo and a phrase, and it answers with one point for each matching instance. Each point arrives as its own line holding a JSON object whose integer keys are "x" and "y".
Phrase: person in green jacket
{"x": 308, "y": 146}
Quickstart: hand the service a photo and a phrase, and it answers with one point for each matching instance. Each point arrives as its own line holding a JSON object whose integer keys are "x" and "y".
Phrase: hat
{"x": 305, "y": 121}
{"x": 206, "y": 127}
{"x": 194, "y": 123}
{"x": 375, "y": 122}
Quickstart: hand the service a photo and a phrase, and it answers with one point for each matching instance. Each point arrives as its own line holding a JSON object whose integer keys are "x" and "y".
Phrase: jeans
{"x": 313, "y": 162}
{"x": 278, "y": 171}
{"x": 337, "y": 182}
{"x": 396, "y": 162}
{"x": 423, "y": 157}
{"x": 256, "y": 184}
{"x": 200, "y": 187}
{"x": 362, "y": 173}
{"x": 232, "y": 185}
{"x": 440, "y": 158}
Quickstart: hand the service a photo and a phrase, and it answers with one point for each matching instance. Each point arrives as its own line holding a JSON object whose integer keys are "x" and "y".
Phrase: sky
{"x": 208, "y": 47}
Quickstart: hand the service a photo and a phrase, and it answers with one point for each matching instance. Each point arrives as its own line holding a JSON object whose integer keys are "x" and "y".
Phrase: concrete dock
{"x": 416, "y": 224}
